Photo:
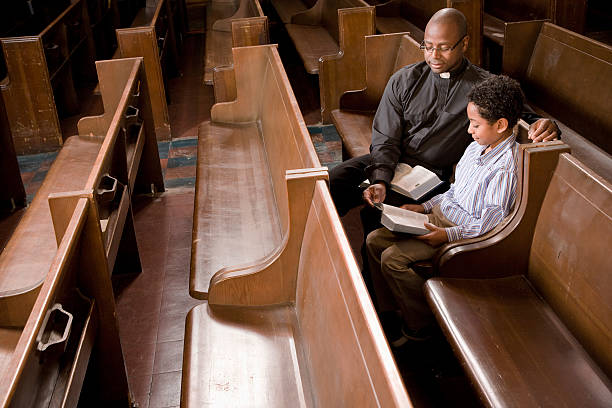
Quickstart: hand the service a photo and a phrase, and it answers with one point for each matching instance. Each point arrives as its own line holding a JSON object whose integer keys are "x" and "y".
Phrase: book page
{"x": 405, "y": 217}
{"x": 412, "y": 178}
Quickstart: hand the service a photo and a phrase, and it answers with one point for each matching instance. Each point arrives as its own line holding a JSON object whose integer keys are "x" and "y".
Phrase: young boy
{"x": 481, "y": 196}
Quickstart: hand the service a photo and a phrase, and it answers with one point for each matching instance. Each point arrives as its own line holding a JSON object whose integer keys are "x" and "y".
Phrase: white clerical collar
{"x": 445, "y": 75}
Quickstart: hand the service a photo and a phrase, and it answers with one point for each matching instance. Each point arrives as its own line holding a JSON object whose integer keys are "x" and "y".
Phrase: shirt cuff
{"x": 427, "y": 205}
{"x": 453, "y": 233}
{"x": 381, "y": 175}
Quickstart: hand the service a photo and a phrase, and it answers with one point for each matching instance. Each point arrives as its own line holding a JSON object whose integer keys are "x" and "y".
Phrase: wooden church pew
{"x": 114, "y": 155}
{"x": 541, "y": 336}
{"x": 296, "y": 330}
{"x": 567, "y": 77}
{"x": 412, "y": 16}
{"x": 12, "y": 193}
{"x": 247, "y": 26}
{"x": 384, "y": 55}
{"x": 42, "y": 70}
{"x": 153, "y": 37}
{"x": 241, "y": 210}
{"x": 44, "y": 359}
{"x": 328, "y": 26}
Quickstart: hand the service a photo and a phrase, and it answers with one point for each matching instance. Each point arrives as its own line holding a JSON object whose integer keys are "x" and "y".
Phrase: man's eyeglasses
{"x": 443, "y": 48}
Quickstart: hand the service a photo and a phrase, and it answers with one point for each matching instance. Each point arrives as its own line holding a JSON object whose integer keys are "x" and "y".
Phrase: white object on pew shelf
{"x": 413, "y": 182}
{"x": 397, "y": 219}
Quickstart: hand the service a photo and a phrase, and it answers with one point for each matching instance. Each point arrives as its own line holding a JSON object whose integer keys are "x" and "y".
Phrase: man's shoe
{"x": 407, "y": 335}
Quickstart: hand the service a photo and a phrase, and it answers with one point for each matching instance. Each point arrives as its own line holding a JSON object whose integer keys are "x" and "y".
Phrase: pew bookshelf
{"x": 114, "y": 155}
{"x": 152, "y": 35}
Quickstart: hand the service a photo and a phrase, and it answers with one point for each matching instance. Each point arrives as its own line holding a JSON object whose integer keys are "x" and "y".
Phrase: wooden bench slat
{"x": 217, "y": 45}
{"x": 530, "y": 357}
{"x": 243, "y": 357}
{"x": 238, "y": 202}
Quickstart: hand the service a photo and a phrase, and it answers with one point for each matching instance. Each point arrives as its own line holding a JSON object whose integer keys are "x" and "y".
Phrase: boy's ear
{"x": 501, "y": 125}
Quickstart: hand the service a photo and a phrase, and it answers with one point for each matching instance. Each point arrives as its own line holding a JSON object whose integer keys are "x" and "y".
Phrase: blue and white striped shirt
{"x": 483, "y": 192}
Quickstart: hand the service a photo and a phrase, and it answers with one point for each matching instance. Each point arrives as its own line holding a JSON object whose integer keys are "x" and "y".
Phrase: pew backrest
{"x": 385, "y": 54}
{"x": 40, "y": 76}
{"x": 504, "y": 249}
{"x": 569, "y": 255}
{"x": 418, "y": 12}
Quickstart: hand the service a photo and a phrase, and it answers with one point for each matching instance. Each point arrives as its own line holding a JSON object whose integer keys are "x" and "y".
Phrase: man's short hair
{"x": 498, "y": 97}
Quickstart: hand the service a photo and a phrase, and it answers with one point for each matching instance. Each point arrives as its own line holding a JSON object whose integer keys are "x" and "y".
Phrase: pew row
{"x": 298, "y": 331}
{"x": 114, "y": 155}
{"x": 12, "y": 193}
{"x": 411, "y": 16}
{"x": 241, "y": 210}
{"x": 42, "y": 70}
{"x": 384, "y": 55}
{"x": 152, "y": 36}
{"x": 329, "y": 24}
{"x": 44, "y": 361}
{"x": 247, "y": 26}
{"x": 568, "y": 77}
{"x": 543, "y": 335}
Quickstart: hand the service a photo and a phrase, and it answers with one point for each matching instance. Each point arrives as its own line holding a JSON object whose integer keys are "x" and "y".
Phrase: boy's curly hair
{"x": 498, "y": 97}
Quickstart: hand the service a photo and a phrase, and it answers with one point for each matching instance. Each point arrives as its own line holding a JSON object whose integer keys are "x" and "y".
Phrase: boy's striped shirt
{"x": 483, "y": 192}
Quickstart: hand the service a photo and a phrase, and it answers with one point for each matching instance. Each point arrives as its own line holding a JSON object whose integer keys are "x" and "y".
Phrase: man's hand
{"x": 414, "y": 207}
{"x": 376, "y": 193}
{"x": 435, "y": 238}
{"x": 543, "y": 130}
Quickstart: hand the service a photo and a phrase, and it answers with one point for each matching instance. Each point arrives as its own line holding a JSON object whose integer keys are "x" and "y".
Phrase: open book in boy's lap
{"x": 397, "y": 219}
{"x": 414, "y": 182}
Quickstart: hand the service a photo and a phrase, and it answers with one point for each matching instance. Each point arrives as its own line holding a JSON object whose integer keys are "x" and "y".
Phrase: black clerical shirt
{"x": 422, "y": 120}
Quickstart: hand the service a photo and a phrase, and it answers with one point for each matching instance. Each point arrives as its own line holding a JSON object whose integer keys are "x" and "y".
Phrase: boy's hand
{"x": 414, "y": 207}
{"x": 435, "y": 238}
{"x": 376, "y": 193}
{"x": 543, "y": 130}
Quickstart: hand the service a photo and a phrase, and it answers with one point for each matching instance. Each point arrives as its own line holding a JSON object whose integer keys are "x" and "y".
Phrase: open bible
{"x": 413, "y": 182}
{"x": 400, "y": 220}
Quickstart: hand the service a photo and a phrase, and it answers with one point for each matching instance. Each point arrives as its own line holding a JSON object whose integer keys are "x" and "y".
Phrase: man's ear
{"x": 466, "y": 41}
{"x": 501, "y": 125}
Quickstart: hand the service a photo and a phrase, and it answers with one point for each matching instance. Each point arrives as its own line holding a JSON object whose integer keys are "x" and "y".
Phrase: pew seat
{"x": 541, "y": 337}
{"x": 241, "y": 210}
{"x": 356, "y": 130}
{"x": 311, "y": 42}
{"x": 299, "y": 330}
{"x": 320, "y": 31}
